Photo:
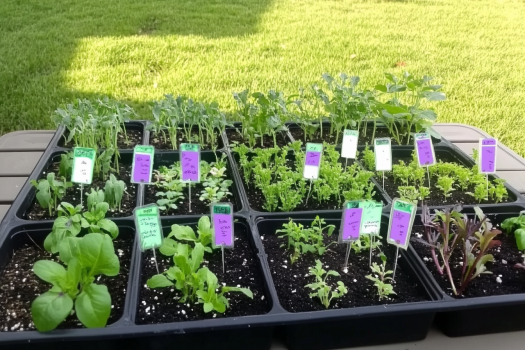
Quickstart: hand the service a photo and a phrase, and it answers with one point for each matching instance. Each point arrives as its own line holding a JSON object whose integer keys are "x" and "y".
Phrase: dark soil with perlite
{"x": 242, "y": 270}
{"x": 290, "y": 279}
{"x": 19, "y": 286}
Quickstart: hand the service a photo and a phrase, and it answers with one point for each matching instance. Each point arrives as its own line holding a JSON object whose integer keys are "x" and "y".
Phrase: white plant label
{"x": 383, "y": 153}
{"x": 349, "y": 147}
{"x": 83, "y": 162}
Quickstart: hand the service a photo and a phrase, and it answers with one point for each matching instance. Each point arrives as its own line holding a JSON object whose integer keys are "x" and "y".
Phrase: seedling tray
{"x": 484, "y": 314}
{"x": 136, "y": 127}
{"x": 352, "y": 326}
{"x": 149, "y": 139}
{"x": 297, "y": 134}
{"x": 448, "y": 153}
{"x": 25, "y": 203}
{"x": 198, "y": 208}
{"x": 231, "y": 135}
{"x": 255, "y": 199}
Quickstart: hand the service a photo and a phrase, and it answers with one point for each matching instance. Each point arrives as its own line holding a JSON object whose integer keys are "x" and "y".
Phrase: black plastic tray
{"x": 147, "y": 136}
{"x": 238, "y": 125}
{"x": 448, "y": 149}
{"x": 358, "y": 326}
{"x": 481, "y": 315}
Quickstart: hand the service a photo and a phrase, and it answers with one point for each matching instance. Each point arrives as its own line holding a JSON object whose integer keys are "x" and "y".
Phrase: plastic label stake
{"x": 349, "y": 146}
{"x": 371, "y": 221}
{"x": 222, "y": 227}
{"x": 487, "y": 155}
{"x": 142, "y": 166}
{"x": 312, "y": 161}
{"x": 425, "y": 151}
{"x": 383, "y": 153}
{"x": 83, "y": 162}
{"x": 402, "y": 217}
{"x": 147, "y": 222}
{"x": 190, "y": 159}
{"x": 350, "y": 226}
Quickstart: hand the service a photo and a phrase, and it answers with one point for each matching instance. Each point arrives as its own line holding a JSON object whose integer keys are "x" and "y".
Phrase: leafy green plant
{"x": 67, "y": 224}
{"x": 196, "y": 283}
{"x": 86, "y": 258}
{"x": 516, "y": 226}
{"x": 446, "y": 185}
{"x": 364, "y": 242}
{"x": 66, "y": 165}
{"x": 408, "y": 193}
{"x": 94, "y": 197}
{"x": 380, "y": 278}
{"x": 186, "y": 233}
{"x": 49, "y": 191}
{"x": 95, "y": 221}
{"x": 114, "y": 191}
{"x": 321, "y": 289}
{"x": 369, "y": 159}
{"x": 480, "y": 193}
{"x": 498, "y": 192}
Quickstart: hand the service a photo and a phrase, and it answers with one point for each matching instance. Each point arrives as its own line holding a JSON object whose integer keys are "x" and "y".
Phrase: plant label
{"x": 312, "y": 161}
{"x": 424, "y": 149}
{"x": 83, "y": 162}
{"x": 349, "y": 147}
{"x": 222, "y": 225}
{"x": 190, "y": 159}
{"x": 402, "y": 217}
{"x": 147, "y": 222}
{"x": 142, "y": 166}
{"x": 350, "y": 222}
{"x": 487, "y": 155}
{"x": 372, "y": 211}
{"x": 383, "y": 153}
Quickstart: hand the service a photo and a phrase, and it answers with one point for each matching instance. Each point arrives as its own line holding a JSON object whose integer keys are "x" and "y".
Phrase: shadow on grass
{"x": 38, "y": 40}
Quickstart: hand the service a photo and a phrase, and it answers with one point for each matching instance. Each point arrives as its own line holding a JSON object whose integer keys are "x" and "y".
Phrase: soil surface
{"x": 134, "y": 138}
{"x": 129, "y": 200}
{"x": 234, "y": 136}
{"x": 366, "y": 139}
{"x": 242, "y": 270}
{"x": 160, "y": 143}
{"x": 19, "y": 286}
{"x": 436, "y": 197}
{"x": 505, "y": 257}
{"x": 256, "y": 198}
{"x": 290, "y": 279}
{"x": 197, "y": 206}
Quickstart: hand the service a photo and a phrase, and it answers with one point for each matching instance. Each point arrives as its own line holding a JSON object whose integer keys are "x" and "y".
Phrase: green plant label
{"x": 312, "y": 160}
{"x": 142, "y": 166}
{"x": 190, "y": 159}
{"x": 149, "y": 229}
{"x": 349, "y": 146}
{"x": 222, "y": 225}
{"x": 83, "y": 163}
{"x": 424, "y": 149}
{"x": 487, "y": 155}
{"x": 350, "y": 222}
{"x": 383, "y": 153}
{"x": 372, "y": 211}
{"x": 402, "y": 217}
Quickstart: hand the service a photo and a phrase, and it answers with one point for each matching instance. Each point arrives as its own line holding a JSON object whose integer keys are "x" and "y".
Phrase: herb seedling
{"x": 380, "y": 279}
{"x": 321, "y": 289}
{"x": 516, "y": 226}
{"x": 49, "y": 191}
{"x": 114, "y": 191}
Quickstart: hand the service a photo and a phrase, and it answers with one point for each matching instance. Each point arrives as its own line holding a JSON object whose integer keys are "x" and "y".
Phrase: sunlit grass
{"x": 138, "y": 51}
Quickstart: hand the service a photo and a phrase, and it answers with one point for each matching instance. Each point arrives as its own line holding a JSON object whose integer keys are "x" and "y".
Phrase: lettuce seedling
{"x": 186, "y": 233}
{"x": 321, "y": 289}
{"x": 86, "y": 258}
{"x": 380, "y": 278}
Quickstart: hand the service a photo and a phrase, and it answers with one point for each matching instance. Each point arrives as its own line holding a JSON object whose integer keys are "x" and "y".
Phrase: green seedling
{"x": 321, "y": 289}
{"x": 380, "y": 278}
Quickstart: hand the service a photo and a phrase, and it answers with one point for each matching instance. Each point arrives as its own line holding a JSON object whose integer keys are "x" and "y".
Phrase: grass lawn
{"x": 55, "y": 51}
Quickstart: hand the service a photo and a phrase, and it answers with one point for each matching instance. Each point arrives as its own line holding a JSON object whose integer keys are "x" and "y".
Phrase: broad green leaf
{"x": 245, "y": 291}
{"x": 97, "y": 254}
{"x": 109, "y": 226}
{"x": 196, "y": 257}
{"x": 49, "y": 242}
{"x": 74, "y": 275}
{"x": 168, "y": 247}
{"x": 48, "y": 310}
{"x": 93, "y": 306}
{"x": 219, "y": 306}
{"x": 50, "y": 271}
{"x": 436, "y": 96}
{"x": 394, "y": 109}
{"x": 208, "y": 307}
{"x": 183, "y": 233}
{"x": 159, "y": 281}
{"x": 68, "y": 249}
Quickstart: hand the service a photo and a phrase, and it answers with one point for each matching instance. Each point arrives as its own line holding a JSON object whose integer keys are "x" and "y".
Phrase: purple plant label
{"x": 190, "y": 163}
{"x": 222, "y": 221}
{"x": 487, "y": 155}
{"x": 312, "y": 160}
{"x": 352, "y": 224}
{"x": 425, "y": 150}
{"x": 401, "y": 220}
{"x": 142, "y": 166}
